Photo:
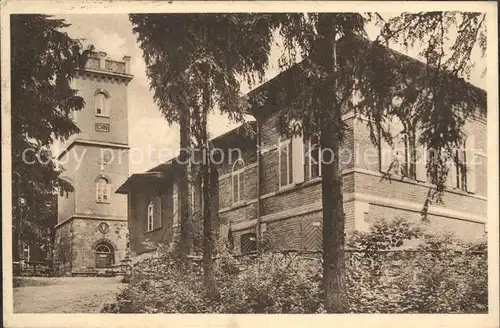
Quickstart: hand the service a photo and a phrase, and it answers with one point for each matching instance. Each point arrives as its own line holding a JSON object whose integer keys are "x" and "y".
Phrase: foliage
{"x": 437, "y": 275}
{"x": 339, "y": 62}
{"x": 43, "y": 61}
{"x": 186, "y": 52}
{"x": 193, "y": 63}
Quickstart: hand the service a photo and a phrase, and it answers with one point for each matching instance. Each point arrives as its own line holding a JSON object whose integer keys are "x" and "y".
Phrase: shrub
{"x": 393, "y": 268}
{"x": 272, "y": 283}
{"x": 434, "y": 274}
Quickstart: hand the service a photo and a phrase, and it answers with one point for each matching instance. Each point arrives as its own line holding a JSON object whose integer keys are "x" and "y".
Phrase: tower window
{"x": 101, "y": 103}
{"x": 102, "y": 190}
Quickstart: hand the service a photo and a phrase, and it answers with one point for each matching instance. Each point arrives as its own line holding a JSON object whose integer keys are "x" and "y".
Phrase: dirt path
{"x": 65, "y": 295}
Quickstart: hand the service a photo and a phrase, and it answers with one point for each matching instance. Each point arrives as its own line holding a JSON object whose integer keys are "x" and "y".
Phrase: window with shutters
{"x": 248, "y": 243}
{"x": 285, "y": 163}
{"x": 101, "y": 103}
{"x": 238, "y": 181}
{"x": 314, "y": 157}
{"x": 102, "y": 190}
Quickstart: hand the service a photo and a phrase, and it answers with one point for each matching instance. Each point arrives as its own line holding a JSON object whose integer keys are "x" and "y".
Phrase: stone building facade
{"x": 275, "y": 184}
{"x": 92, "y": 220}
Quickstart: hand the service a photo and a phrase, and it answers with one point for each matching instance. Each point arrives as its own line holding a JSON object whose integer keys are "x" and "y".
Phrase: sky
{"x": 113, "y": 35}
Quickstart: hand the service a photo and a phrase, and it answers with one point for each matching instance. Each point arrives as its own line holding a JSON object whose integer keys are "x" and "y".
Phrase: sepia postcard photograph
{"x": 243, "y": 164}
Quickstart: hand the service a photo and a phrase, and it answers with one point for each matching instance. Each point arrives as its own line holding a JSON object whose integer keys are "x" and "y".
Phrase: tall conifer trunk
{"x": 184, "y": 156}
{"x": 207, "y": 219}
{"x": 333, "y": 209}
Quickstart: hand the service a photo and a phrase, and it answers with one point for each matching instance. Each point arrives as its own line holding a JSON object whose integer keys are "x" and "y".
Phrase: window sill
{"x": 287, "y": 187}
{"x": 314, "y": 180}
{"x": 101, "y": 115}
{"x": 155, "y": 229}
{"x": 402, "y": 178}
{"x": 294, "y": 186}
{"x": 103, "y": 202}
{"x": 239, "y": 204}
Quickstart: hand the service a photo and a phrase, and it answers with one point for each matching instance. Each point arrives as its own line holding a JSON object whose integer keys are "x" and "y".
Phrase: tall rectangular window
{"x": 397, "y": 159}
{"x": 150, "y": 216}
{"x": 461, "y": 167}
{"x": 285, "y": 163}
{"x": 314, "y": 157}
{"x": 101, "y": 103}
{"x": 238, "y": 181}
{"x": 102, "y": 191}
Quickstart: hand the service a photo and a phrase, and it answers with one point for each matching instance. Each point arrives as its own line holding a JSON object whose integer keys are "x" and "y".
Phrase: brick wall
{"x": 463, "y": 213}
{"x": 289, "y": 213}
{"x": 360, "y": 164}
{"x": 467, "y": 230}
{"x": 285, "y": 232}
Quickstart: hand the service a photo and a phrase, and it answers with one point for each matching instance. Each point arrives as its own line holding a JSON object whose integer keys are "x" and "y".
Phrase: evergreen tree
{"x": 193, "y": 63}
{"x": 43, "y": 62}
{"x": 339, "y": 63}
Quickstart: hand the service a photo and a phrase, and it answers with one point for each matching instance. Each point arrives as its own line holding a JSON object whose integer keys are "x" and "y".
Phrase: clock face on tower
{"x": 103, "y": 227}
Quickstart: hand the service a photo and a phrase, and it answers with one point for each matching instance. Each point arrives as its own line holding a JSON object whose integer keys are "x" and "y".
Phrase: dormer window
{"x": 101, "y": 103}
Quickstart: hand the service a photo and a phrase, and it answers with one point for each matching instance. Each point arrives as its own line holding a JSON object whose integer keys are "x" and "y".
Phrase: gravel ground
{"x": 65, "y": 295}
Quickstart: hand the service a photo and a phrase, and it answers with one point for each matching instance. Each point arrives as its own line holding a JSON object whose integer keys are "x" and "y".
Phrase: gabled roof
{"x": 139, "y": 177}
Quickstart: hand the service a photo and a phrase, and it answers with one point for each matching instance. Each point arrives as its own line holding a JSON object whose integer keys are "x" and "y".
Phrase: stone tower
{"x": 92, "y": 220}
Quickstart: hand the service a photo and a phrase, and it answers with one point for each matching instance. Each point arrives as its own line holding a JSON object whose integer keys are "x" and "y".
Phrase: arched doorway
{"x": 104, "y": 255}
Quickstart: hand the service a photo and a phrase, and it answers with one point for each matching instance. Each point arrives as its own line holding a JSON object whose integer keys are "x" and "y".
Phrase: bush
{"x": 393, "y": 268}
{"x": 271, "y": 283}
{"x": 434, "y": 274}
